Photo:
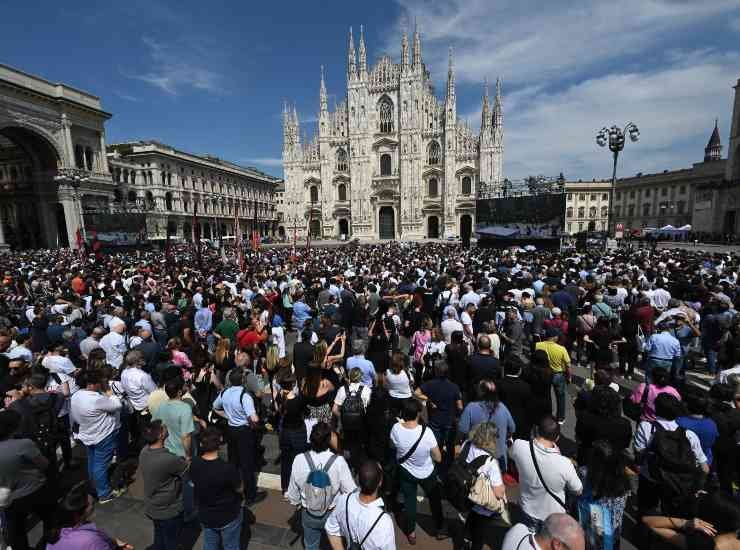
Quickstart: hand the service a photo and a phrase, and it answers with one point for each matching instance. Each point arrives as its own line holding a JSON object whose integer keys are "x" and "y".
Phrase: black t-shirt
{"x": 444, "y": 394}
{"x": 215, "y": 483}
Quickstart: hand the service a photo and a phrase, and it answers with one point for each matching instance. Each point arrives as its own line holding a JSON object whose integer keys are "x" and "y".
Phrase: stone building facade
{"x": 391, "y": 161}
{"x": 665, "y": 198}
{"x": 586, "y": 206}
{"x": 49, "y": 133}
{"x": 171, "y": 185}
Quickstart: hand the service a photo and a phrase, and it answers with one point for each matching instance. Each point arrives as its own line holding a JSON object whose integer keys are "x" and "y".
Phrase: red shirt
{"x": 246, "y": 338}
{"x": 645, "y": 316}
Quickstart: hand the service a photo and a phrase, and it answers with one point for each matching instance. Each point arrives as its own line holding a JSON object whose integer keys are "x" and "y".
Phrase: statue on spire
{"x": 450, "y": 76}
{"x": 363, "y": 55}
{"x": 404, "y": 50}
{"x": 485, "y": 120}
{"x": 351, "y": 58}
{"x": 497, "y": 112}
{"x": 322, "y": 93}
{"x": 417, "y": 48}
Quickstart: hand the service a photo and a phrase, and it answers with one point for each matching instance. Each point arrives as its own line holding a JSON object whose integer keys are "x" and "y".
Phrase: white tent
{"x": 668, "y": 227}
{"x": 686, "y": 227}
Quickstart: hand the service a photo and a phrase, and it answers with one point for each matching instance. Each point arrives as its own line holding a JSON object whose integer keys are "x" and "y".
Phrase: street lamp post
{"x": 74, "y": 178}
{"x": 614, "y": 137}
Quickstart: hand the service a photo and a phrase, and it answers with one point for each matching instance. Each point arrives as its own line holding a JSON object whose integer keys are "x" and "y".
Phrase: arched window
{"x": 149, "y": 199}
{"x": 433, "y": 153}
{"x": 132, "y": 196}
{"x": 385, "y": 112}
{"x": 467, "y": 187}
{"x": 117, "y": 195}
{"x": 341, "y": 160}
{"x": 581, "y": 211}
{"x": 133, "y": 177}
{"x": 342, "y": 192}
{"x": 79, "y": 157}
{"x": 164, "y": 178}
{"x": 385, "y": 164}
{"x": 646, "y": 209}
{"x": 604, "y": 211}
{"x": 592, "y": 212}
{"x": 569, "y": 212}
{"x": 314, "y": 194}
{"x": 168, "y": 201}
{"x": 433, "y": 187}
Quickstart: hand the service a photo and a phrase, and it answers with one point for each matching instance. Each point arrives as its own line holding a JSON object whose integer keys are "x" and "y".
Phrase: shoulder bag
{"x": 555, "y": 497}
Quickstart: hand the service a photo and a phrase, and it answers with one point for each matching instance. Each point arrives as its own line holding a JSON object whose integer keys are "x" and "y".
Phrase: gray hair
{"x": 358, "y": 347}
{"x": 563, "y": 528}
{"x": 134, "y": 357}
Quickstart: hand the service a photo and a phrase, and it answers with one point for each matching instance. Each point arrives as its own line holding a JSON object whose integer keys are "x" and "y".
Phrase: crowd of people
{"x": 382, "y": 370}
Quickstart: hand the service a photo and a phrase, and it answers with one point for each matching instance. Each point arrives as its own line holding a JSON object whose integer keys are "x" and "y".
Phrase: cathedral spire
{"x": 497, "y": 112}
{"x": 450, "y": 76}
{"x": 351, "y": 58}
{"x": 363, "y": 55}
{"x": 417, "y": 48}
{"x": 713, "y": 150}
{"x": 322, "y": 93}
{"x": 404, "y": 51}
{"x": 485, "y": 119}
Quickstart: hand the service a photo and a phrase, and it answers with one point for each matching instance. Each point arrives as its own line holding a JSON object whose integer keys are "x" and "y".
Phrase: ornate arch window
{"x": 592, "y": 212}
{"x": 342, "y": 192}
{"x": 168, "y": 201}
{"x": 131, "y": 196}
{"x": 385, "y": 164}
{"x": 385, "y": 112}
{"x": 314, "y": 193}
{"x": 79, "y": 157}
{"x": 117, "y": 195}
{"x": 569, "y": 212}
{"x": 604, "y": 211}
{"x": 133, "y": 177}
{"x": 467, "y": 186}
{"x": 341, "y": 160}
{"x": 581, "y": 211}
{"x": 433, "y": 153}
{"x": 433, "y": 188}
{"x": 89, "y": 158}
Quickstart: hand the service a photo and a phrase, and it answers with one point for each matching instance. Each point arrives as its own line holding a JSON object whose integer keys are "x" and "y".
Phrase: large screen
{"x": 526, "y": 217}
{"x": 116, "y": 229}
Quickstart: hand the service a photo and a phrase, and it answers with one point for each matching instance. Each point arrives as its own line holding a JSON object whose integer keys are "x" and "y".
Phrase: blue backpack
{"x": 317, "y": 488}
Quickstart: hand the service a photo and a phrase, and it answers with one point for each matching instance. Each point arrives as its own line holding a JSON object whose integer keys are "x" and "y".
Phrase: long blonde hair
{"x": 272, "y": 358}
{"x": 223, "y": 347}
{"x": 319, "y": 351}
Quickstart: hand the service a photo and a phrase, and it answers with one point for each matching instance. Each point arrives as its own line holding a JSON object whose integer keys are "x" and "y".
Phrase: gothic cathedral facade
{"x": 390, "y": 161}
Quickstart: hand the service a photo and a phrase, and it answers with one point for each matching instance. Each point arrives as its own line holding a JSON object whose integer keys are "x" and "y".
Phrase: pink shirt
{"x": 654, "y": 391}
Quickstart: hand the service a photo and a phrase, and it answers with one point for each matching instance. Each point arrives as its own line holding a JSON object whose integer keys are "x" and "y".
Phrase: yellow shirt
{"x": 557, "y": 355}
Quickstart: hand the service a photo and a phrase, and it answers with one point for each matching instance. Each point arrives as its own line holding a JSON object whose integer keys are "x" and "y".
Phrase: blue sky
{"x": 210, "y": 77}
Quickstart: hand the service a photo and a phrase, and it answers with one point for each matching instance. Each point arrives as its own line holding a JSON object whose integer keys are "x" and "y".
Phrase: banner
{"x": 117, "y": 228}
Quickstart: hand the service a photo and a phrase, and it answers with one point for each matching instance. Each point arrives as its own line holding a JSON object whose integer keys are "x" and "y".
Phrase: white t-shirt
{"x": 467, "y": 320}
{"x": 420, "y": 464}
{"x": 361, "y": 519}
{"x": 490, "y": 469}
{"x": 353, "y": 387}
{"x": 519, "y": 537}
{"x": 398, "y": 385}
{"x": 278, "y": 336}
{"x": 558, "y": 472}
{"x": 449, "y": 326}
{"x": 56, "y": 387}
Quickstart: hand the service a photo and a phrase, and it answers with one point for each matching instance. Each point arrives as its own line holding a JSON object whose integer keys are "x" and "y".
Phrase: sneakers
{"x": 114, "y": 494}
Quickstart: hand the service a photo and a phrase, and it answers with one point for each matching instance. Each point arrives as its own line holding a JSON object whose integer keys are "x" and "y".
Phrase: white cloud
{"x": 127, "y": 97}
{"x": 674, "y": 107}
{"x": 573, "y": 66}
{"x": 530, "y": 40}
{"x": 272, "y": 162}
{"x": 175, "y": 67}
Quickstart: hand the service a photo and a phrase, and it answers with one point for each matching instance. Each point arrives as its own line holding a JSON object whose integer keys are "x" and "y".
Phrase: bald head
{"x": 562, "y": 529}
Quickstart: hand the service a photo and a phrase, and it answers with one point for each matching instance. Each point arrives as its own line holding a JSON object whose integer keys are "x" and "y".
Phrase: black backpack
{"x": 460, "y": 478}
{"x": 672, "y": 464}
{"x": 46, "y": 424}
{"x": 353, "y": 410}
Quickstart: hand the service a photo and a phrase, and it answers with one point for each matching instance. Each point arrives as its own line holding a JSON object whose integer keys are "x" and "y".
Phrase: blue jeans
{"x": 558, "y": 384}
{"x": 656, "y": 363}
{"x": 711, "y": 355}
{"x": 166, "y": 533}
{"x": 445, "y": 436}
{"x": 99, "y": 457}
{"x": 313, "y": 528}
{"x": 227, "y": 536}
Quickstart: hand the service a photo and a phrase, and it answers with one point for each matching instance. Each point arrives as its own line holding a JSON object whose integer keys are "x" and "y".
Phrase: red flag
{"x": 255, "y": 241}
{"x": 238, "y": 240}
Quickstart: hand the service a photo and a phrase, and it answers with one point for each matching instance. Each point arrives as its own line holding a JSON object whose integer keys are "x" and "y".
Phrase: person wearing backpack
{"x": 417, "y": 452}
{"x": 359, "y": 521}
{"x": 350, "y": 406}
{"x": 672, "y": 463}
{"x": 316, "y": 478}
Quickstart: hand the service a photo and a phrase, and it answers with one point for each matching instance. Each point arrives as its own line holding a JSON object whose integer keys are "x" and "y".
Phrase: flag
{"x": 196, "y": 236}
{"x": 80, "y": 244}
{"x": 255, "y": 241}
{"x": 238, "y": 240}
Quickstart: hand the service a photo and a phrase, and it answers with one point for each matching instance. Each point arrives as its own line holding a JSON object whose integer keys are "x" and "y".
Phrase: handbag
{"x": 481, "y": 493}
{"x": 632, "y": 410}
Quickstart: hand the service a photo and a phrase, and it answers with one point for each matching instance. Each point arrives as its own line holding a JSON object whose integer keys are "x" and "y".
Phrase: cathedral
{"x": 391, "y": 161}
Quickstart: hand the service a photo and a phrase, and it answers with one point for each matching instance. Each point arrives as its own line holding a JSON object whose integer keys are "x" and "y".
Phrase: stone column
{"x": 71, "y": 218}
{"x": 103, "y": 157}
{"x": 48, "y": 221}
{"x": 3, "y": 244}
